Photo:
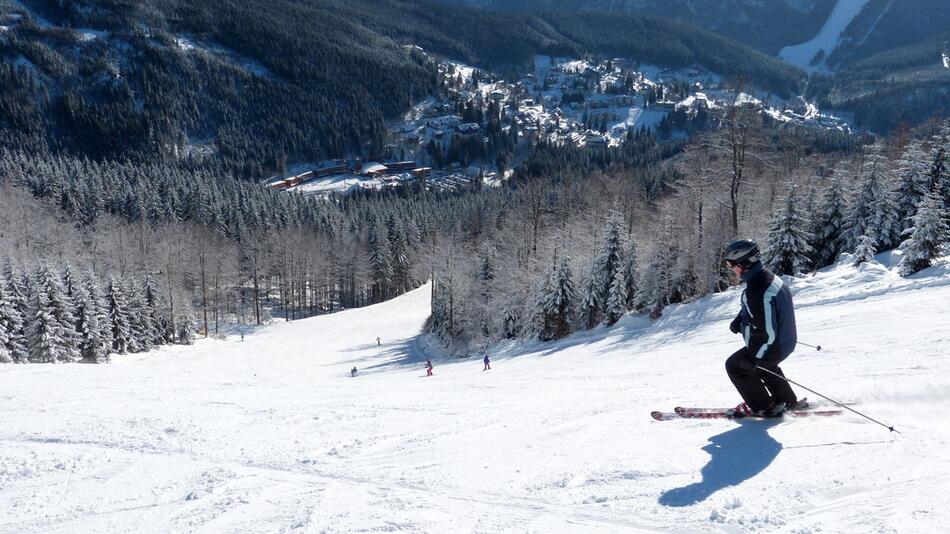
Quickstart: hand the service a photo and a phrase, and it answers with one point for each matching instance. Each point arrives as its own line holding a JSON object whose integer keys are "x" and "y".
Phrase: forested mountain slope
{"x": 903, "y": 86}
{"x": 261, "y": 83}
{"x": 878, "y": 25}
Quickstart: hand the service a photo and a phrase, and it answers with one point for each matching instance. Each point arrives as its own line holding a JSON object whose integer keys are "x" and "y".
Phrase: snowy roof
{"x": 372, "y": 167}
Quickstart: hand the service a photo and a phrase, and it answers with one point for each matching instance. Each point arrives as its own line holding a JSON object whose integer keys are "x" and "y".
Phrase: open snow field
{"x": 272, "y": 435}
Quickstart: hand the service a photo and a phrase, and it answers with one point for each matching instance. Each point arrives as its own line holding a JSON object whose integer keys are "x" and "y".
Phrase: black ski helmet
{"x": 741, "y": 252}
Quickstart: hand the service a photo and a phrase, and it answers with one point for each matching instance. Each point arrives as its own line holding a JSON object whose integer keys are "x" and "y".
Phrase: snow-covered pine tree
{"x": 44, "y": 340}
{"x": 827, "y": 226}
{"x": 139, "y": 340}
{"x": 939, "y": 165}
{"x": 913, "y": 182}
{"x": 887, "y": 218}
{"x": 617, "y": 296}
{"x": 657, "y": 282}
{"x": 609, "y": 259}
{"x": 873, "y": 212}
{"x": 60, "y": 307}
{"x": 590, "y": 309}
{"x": 381, "y": 263}
{"x": 865, "y": 251}
{"x": 631, "y": 273}
{"x": 118, "y": 317}
{"x": 17, "y": 296}
{"x": 555, "y": 302}
{"x": 484, "y": 291}
{"x": 69, "y": 284}
{"x": 926, "y": 238}
{"x": 12, "y": 338}
{"x": 683, "y": 280}
{"x": 183, "y": 321}
{"x": 787, "y": 249}
{"x": 511, "y": 326}
{"x": 87, "y": 326}
{"x": 398, "y": 253}
{"x": 156, "y": 322}
{"x": 94, "y": 330}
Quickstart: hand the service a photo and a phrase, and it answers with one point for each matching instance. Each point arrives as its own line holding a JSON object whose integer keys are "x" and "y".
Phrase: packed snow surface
{"x": 841, "y": 16}
{"x": 272, "y": 434}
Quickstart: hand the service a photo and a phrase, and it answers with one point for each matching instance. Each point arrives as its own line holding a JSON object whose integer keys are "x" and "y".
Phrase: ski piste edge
{"x": 723, "y": 414}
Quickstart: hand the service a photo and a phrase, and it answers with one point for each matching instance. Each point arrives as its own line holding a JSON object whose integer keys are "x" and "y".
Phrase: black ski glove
{"x": 736, "y": 325}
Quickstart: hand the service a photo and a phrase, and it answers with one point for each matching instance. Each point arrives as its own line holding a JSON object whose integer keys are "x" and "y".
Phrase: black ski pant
{"x": 758, "y": 388}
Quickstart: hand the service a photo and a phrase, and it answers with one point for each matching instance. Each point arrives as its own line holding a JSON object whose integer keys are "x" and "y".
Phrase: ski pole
{"x": 891, "y": 428}
{"x": 816, "y": 347}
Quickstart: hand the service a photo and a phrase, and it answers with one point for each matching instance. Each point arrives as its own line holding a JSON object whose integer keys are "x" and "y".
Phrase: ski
{"x": 802, "y": 405}
{"x": 727, "y": 414}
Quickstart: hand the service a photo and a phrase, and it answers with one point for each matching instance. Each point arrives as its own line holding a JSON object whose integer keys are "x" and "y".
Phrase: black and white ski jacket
{"x": 767, "y": 318}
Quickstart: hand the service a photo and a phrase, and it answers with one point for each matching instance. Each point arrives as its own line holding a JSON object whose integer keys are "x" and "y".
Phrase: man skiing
{"x": 767, "y": 324}
{"x": 353, "y": 371}
{"x": 428, "y": 367}
{"x": 487, "y": 363}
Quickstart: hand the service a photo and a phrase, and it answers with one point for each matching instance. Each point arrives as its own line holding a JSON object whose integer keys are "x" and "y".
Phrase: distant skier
{"x": 378, "y": 341}
{"x": 767, "y": 324}
{"x": 487, "y": 363}
{"x": 428, "y": 367}
{"x": 353, "y": 371}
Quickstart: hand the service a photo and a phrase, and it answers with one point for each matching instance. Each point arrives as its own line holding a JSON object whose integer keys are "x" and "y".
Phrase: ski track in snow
{"x": 273, "y": 435}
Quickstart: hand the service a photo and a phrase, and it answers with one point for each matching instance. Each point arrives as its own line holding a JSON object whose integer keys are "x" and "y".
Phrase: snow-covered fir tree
{"x": 865, "y": 251}
{"x": 95, "y": 336}
{"x": 139, "y": 336}
{"x": 511, "y": 322}
{"x": 631, "y": 273}
{"x": 119, "y": 320}
{"x": 556, "y": 302}
{"x": 657, "y": 281}
{"x": 380, "y": 260}
{"x": 888, "y": 221}
{"x": 787, "y": 249}
{"x": 609, "y": 259}
{"x": 157, "y": 321}
{"x": 69, "y": 284}
{"x": 18, "y": 301}
{"x": 913, "y": 181}
{"x": 184, "y": 324}
{"x": 939, "y": 165}
{"x": 589, "y": 308}
{"x": 927, "y": 238}
{"x": 44, "y": 335}
{"x": 617, "y": 296}
{"x": 12, "y": 337}
{"x": 873, "y": 212}
{"x": 60, "y": 308}
{"x": 399, "y": 252}
{"x": 828, "y": 225}
{"x": 483, "y": 290}
{"x": 683, "y": 280}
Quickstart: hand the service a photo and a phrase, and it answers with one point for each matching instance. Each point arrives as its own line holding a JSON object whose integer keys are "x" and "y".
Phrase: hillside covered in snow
{"x": 272, "y": 434}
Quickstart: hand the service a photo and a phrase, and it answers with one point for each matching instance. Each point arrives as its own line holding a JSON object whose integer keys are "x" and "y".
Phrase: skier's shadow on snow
{"x": 736, "y": 456}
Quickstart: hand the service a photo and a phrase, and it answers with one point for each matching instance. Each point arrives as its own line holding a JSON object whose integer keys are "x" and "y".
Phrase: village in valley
{"x": 478, "y": 127}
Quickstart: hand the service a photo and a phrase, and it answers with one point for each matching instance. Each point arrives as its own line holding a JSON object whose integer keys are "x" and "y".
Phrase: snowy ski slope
{"x": 272, "y": 435}
{"x": 827, "y": 39}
